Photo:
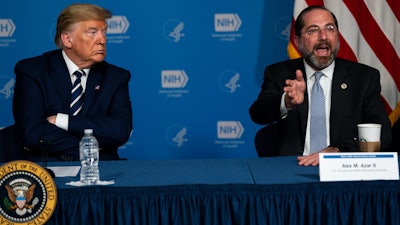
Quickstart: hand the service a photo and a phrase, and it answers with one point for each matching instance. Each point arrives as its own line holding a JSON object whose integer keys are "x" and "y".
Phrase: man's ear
{"x": 66, "y": 39}
{"x": 296, "y": 41}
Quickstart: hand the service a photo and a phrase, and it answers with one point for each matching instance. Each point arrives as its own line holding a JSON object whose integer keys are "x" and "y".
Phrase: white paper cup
{"x": 369, "y": 137}
{"x": 369, "y": 132}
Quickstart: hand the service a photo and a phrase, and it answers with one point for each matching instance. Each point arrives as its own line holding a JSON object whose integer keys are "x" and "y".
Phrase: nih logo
{"x": 173, "y": 78}
{"x": 179, "y": 138}
{"x": 7, "y": 89}
{"x": 227, "y": 22}
{"x": 117, "y": 25}
{"x": 176, "y": 135}
{"x": 173, "y": 30}
{"x": 7, "y": 27}
{"x": 229, "y": 129}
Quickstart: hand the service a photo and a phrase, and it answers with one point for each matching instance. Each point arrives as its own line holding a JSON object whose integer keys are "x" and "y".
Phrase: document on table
{"x": 65, "y": 171}
{"x": 348, "y": 166}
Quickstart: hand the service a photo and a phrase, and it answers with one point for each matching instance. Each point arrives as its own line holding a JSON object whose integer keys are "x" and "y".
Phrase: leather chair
{"x": 266, "y": 140}
{"x": 395, "y": 144}
{"x": 7, "y": 144}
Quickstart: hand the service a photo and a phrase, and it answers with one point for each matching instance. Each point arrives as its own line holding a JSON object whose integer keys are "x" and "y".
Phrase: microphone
{"x": 45, "y": 156}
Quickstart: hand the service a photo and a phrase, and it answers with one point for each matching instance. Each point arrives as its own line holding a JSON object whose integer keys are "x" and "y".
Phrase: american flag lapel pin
{"x": 97, "y": 87}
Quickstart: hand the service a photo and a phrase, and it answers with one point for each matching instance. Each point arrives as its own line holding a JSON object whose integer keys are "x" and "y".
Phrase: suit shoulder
{"x": 285, "y": 68}
{"x": 291, "y": 64}
{"x": 356, "y": 65}
{"x": 117, "y": 68}
{"x": 287, "y": 63}
{"x": 113, "y": 69}
{"x": 39, "y": 61}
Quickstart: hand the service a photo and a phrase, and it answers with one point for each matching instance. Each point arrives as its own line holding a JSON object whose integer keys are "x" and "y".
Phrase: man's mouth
{"x": 102, "y": 51}
{"x": 322, "y": 50}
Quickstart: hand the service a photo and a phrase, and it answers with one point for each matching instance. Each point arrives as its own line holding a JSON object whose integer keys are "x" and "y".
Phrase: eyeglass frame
{"x": 315, "y": 31}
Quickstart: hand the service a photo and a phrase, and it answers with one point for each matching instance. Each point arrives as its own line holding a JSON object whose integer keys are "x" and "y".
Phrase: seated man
{"x": 53, "y": 104}
{"x": 346, "y": 94}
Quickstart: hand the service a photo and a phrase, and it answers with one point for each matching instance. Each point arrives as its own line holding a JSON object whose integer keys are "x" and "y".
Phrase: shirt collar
{"x": 71, "y": 65}
{"x": 328, "y": 71}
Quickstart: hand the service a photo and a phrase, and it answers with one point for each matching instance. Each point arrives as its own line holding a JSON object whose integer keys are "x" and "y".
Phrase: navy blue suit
{"x": 355, "y": 99}
{"x": 43, "y": 88}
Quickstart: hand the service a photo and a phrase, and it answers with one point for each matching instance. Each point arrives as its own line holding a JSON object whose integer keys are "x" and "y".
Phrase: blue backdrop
{"x": 196, "y": 67}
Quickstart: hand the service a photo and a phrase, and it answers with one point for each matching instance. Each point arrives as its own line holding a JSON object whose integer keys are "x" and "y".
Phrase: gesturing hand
{"x": 295, "y": 90}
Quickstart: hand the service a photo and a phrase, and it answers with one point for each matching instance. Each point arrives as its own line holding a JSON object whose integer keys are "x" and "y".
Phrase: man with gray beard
{"x": 351, "y": 93}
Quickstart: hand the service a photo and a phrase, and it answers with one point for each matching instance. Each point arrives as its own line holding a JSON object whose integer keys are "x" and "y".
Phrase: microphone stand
{"x": 45, "y": 156}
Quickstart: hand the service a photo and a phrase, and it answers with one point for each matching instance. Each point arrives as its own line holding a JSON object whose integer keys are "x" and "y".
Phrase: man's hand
{"x": 295, "y": 90}
{"x": 52, "y": 119}
{"x": 313, "y": 159}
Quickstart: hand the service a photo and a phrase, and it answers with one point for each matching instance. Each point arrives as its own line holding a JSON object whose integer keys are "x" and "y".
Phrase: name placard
{"x": 358, "y": 166}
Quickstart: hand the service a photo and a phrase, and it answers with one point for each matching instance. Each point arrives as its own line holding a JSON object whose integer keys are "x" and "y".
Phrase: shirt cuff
{"x": 284, "y": 110}
{"x": 62, "y": 121}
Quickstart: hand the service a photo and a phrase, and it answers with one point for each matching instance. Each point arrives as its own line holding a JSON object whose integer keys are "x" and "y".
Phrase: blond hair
{"x": 77, "y": 13}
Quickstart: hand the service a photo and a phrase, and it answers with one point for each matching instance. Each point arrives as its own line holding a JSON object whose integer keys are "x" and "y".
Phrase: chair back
{"x": 7, "y": 144}
{"x": 395, "y": 144}
{"x": 266, "y": 140}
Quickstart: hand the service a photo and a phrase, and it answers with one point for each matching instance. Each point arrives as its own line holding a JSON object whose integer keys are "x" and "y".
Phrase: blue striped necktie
{"x": 318, "y": 118}
{"x": 77, "y": 94}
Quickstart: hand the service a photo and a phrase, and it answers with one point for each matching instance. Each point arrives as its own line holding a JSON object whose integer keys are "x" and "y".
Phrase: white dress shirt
{"x": 62, "y": 119}
{"x": 326, "y": 83}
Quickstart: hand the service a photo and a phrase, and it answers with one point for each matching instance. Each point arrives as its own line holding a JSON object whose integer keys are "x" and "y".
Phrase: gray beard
{"x": 312, "y": 60}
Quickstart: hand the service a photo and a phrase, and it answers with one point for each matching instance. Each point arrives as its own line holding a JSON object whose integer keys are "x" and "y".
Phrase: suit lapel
{"x": 61, "y": 78}
{"x": 341, "y": 85}
{"x": 302, "y": 108}
{"x": 93, "y": 86}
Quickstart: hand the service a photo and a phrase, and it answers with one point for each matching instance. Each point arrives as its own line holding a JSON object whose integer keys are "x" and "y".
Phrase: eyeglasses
{"x": 316, "y": 31}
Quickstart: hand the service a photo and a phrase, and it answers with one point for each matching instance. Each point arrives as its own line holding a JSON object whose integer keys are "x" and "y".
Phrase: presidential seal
{"x": 28, "y": 194}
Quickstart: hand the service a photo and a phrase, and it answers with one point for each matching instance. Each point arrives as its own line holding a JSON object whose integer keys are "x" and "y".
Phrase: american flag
{"x": 369, "y": 34}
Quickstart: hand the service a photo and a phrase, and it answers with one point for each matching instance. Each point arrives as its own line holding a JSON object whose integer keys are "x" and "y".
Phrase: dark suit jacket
{"x": 42, "y": 89}
{"x": 355, "y": 99}
{"x": 395, "y": 145}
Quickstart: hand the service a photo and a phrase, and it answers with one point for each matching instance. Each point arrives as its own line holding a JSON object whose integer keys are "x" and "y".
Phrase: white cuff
{"x": 62, "y": 121}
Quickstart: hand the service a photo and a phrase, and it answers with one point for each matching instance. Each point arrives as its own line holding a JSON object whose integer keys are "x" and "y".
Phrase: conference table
{"x": 273, "y": 190}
